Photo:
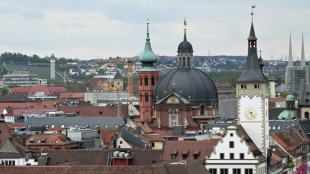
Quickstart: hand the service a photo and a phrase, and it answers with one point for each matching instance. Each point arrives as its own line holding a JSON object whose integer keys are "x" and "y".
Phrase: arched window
{"x": 146, "y": 97}
{"x": 153, "y": 81}
{"x": 188, "y": 61}
{"x": 307, "y": 101}
{"x": 140, "y": 81}
{"x": 183, "y": 61}
{"x": 202, "y": 110}
{"x": 146, "y": 82}
{"x": 140, "y": 97}
{"x": 307, "y": 115}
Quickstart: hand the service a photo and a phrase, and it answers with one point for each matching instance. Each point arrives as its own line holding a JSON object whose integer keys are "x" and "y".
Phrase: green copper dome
{"x": 290, "y": 98}
{"x": 52, "y": 56}
{"x": 147, "y": 57}
{"x": 288, "y": 115}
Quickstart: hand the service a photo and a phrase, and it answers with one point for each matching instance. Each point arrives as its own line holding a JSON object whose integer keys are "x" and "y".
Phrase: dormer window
{"x": 256, "y": 86}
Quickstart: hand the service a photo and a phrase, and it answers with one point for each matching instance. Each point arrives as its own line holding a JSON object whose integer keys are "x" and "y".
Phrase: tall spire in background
{"x": 303, "y": 63}
{"x": 290, "y": 55}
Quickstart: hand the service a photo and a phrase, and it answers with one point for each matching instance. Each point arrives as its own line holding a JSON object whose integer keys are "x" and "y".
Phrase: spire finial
{"x": 253, "y": 6}
{"x": 185, "y": 24}
{"x": 173, "y": 86}
{"x": 147, "y": 26}
{"x": 260, "y": 53}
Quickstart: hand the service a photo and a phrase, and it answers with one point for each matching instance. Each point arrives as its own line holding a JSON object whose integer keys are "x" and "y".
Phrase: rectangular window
{"x": 184, "y": 156}
{"x": 223, "y": 171}
{"x": 221, "y": 155}
{"x": 236, "y": 171}
{"x": 173, "y": 156}
{"x": 248, "y": 171}
{"x": 196, "y": 156}
{"x": 120, "y": 142}
{"x": 153, "y": 144}
{"x": 231, "y": 144}
{"x": 231, "y": 156}
{"x": 213, "y": 171}
{"x": 241, "y": 155}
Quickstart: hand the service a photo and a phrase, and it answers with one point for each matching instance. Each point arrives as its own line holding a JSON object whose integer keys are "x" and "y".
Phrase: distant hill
{"x": 42, "y": 71}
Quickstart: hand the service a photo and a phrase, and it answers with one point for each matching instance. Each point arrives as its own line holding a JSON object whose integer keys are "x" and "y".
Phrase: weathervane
{"x": 253, "y": 6}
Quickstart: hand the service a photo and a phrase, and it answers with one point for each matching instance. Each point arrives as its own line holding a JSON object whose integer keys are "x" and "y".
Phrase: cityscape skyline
{"x": 103, "y": 29}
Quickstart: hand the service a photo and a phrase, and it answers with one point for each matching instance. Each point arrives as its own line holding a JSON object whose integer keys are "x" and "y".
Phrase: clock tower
{"x": 252, "y": 89}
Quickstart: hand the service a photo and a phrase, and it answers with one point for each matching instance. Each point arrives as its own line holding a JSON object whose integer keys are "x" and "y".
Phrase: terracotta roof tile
{"x": 153, "y": 137}
{"x": 191, "y": 147}
{"x": 95, "y": 111}
{"x": 106, "y": 136}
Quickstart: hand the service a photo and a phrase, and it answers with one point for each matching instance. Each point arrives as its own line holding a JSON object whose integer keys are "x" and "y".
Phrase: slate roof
{"x": 252, "y": 72}
{"x": 305, "y": 126}
{"x": 192, "y": 82}
{"x": 92, "y": 122}
{"x": 274, "y": 112}
{"x": 14, "y": 98}
{"x": 228, "y": 109}
{"x": 118, "y": 75}
{"x": 132, "y": 139}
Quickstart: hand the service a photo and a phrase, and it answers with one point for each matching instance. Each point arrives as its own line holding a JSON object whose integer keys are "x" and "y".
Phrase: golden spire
{"x": 147, "y": 19}
{"x": 185, "y": 23}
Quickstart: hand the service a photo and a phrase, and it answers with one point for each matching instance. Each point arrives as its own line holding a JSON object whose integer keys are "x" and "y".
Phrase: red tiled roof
{"x": 11, "y": 125}
{"x": 30, "y": 91}
{"x": 56, "y": 139}
{"x": 45, "y": 105}
{"x": 204, "y": 147}
{"x": 19, "y": 112}
{"x": 95, "y": 111}
{"x": 64, "y": 96}
{"x": 107, "y": 135}
{"x": 5, "y": 133}
{"x": 290, "y": 139}
{"x": 276, "y": 99}
{"x": 153, "y": 137}
{"x": 253, "y": 148}
{"x": 144, "y": 126}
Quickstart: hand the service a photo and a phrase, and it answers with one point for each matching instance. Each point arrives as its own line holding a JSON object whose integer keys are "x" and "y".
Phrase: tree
{"x": 284, "y": 94}
{"x": 4, "y": 90}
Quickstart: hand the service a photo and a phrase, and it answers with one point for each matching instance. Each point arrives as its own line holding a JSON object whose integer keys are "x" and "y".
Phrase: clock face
{"x": 250, "y": 113}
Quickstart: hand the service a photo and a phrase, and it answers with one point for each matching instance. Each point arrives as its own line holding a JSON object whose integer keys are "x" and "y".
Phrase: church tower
{"x": 147, "y": 79}
{"x": 253, "y": 92}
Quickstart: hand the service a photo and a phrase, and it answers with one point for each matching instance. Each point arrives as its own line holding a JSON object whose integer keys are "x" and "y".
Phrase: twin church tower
{"x": 198, "y": 89}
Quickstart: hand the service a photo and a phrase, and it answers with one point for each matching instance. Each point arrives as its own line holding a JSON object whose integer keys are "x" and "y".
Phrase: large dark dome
{"x": 192, "y": 82}
{"x": 185, "y": 47}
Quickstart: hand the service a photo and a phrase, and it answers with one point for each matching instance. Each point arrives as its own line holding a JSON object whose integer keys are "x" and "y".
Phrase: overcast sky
{"x": 88, "y": 29}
